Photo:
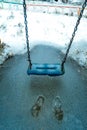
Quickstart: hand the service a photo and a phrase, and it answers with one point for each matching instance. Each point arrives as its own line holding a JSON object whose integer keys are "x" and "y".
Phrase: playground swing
{"x": 49, "y": 69}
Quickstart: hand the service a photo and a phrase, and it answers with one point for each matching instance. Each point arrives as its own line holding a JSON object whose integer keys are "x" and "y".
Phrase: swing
{"x": 49, "y": 69}
{"x": 46, "y": 69}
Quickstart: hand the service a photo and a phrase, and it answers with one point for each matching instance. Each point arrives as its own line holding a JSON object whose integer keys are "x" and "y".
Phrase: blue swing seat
{"x": 46, "y": 69}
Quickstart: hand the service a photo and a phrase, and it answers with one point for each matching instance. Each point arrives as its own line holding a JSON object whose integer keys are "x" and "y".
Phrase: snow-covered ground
{"x": 54, "y": 28}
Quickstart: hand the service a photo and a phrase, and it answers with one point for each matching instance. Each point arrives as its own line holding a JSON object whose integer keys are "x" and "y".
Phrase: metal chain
{"x": 26, "y": 30}
{"x": 74, "y": 32}
{"x": 71, "y": 40}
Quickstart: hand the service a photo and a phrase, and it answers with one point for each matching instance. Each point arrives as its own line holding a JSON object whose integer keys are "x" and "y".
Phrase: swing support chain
{"x": 71, "y": 40}
{"x": 26, "y": 30}
{"x": 74, "y": 32}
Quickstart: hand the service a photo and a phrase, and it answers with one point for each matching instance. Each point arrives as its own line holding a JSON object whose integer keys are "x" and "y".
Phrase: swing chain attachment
{"x": 74, "y": 32}
{"x": 26, "y": 30}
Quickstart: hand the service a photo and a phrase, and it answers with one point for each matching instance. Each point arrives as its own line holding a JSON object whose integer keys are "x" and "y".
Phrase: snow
{"x": 55, "y": 29}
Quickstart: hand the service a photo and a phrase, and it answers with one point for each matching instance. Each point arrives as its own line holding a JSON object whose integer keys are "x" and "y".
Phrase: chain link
{"x": 26, "y": 30}
{"x": 74, "y": 32}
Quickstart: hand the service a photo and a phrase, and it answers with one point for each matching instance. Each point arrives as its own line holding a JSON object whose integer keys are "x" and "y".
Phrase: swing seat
{"x": 46, "y": 69}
